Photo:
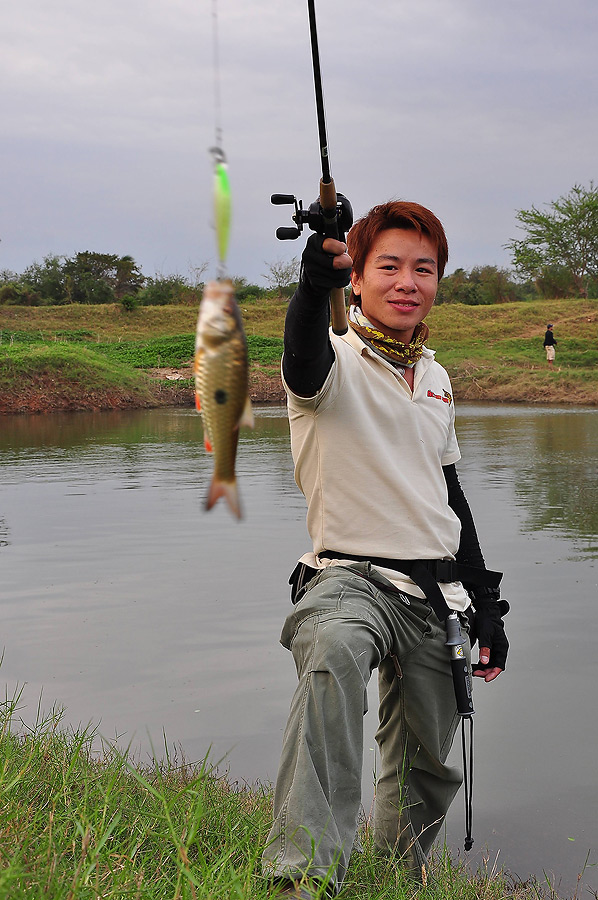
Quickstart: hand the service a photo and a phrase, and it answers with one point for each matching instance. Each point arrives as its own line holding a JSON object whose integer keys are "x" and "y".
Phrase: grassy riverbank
{"x": 93, "y": 357}
{"x": 78, "y": 824}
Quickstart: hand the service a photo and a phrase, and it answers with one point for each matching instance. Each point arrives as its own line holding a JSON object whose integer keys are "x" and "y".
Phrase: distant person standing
{"x": 550, "y": 345}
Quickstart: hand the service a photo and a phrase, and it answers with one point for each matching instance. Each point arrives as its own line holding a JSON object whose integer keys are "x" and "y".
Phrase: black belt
{"x": 426, "y": 573}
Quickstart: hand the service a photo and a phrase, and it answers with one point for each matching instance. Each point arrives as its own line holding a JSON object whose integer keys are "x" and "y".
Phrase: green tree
{"x": 128, "y": 278}
{"x": 564, "y": 237}
{"x": 17, "y": 294}
{"x": 483, "y": 286}
{"x": 48, "y": 279}
{"x": 495, "y": 285}
{"x": 101, "y": 277}
{"x": 556, "y": 281}
{"x": 165, "y": 289}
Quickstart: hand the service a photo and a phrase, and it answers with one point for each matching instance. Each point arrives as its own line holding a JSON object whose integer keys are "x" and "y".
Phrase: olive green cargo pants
{"x": 340, "y": 631}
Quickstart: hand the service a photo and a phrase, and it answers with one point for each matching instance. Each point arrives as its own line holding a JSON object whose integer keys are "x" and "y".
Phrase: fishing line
{"x": 216, "y": 66}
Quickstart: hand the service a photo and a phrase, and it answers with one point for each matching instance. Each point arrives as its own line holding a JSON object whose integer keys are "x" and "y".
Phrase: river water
{"x": 122, "y": 601}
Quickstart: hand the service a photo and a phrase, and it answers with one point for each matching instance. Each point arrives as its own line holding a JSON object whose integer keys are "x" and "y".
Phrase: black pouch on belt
{"x": 300, "y": 576}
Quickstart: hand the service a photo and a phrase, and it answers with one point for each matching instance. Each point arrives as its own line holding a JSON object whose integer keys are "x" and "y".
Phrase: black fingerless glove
{"x": 318, "y": 276}
{"x": 488, "y": 626}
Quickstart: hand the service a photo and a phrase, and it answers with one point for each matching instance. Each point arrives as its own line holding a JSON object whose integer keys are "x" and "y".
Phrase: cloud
{"x": 475, "y": 109}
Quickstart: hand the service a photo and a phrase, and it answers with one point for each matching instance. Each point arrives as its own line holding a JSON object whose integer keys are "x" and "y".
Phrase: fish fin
{"x": 247, "y": 415}
{"x": 208, "y": 444}
{"x": 227, "y": 489}
{"x": 197, "y": 403}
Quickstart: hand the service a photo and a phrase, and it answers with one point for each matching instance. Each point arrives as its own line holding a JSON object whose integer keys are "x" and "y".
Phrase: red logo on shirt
{"x": 446, "y": 398}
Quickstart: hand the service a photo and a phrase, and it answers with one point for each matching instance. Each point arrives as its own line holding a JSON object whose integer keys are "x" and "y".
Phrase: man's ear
{"x": 356, "y": 284}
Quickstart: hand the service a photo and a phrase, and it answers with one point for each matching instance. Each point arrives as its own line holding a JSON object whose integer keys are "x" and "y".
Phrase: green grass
{"x": 264, "y": 350}
{"x": 82, "y": 820}
{"x": 175, "y": 350}
{"x": 178, "y": 350}
{"x": 66, "y": 375}
{"x": 170, "y": 350}
{"x": 65, "y": 361}
{"x": 491, "y": 352}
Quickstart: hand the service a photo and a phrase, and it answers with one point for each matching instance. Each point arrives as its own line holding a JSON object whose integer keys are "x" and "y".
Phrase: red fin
{"x": 197, "y": 403}
{"x": 226, "y": 489}
{"x": 207, "y": 444}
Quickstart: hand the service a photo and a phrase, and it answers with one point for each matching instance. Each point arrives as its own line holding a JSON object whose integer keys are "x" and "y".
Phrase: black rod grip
{"x": 462, "y": 683}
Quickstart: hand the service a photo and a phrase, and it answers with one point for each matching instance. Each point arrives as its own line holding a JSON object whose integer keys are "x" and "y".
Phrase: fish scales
{"x": 221, "y": 385}
{"x": 222, "y": 382}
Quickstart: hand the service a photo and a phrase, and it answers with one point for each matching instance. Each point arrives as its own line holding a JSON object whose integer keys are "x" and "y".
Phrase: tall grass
{"x": 76, "y": 823}
{"x": 491, "y": 352}
{"x": 82, "y": 820}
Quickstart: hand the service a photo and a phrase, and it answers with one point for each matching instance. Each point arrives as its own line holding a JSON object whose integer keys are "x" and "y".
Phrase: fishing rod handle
{"x": 338, "y": 311}
{"x": 328, "y": 198}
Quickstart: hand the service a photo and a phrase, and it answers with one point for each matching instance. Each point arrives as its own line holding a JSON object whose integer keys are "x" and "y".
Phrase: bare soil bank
{"x": 172, "y": 387}
{"x": 46, "y": 394}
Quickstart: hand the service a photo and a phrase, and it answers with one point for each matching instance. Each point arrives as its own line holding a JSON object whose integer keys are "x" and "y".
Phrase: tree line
{"x": 96, "y": 278}
{"x": 557, "y": 256}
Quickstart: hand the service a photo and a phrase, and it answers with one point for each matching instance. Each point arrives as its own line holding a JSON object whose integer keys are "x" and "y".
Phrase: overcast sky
{"x": 474, "y": 108}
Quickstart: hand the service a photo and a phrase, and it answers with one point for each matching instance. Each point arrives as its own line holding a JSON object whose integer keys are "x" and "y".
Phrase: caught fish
{"x": 222, "y": 386}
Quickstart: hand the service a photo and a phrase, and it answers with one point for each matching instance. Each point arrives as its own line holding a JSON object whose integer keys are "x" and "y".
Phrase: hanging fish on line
{"x": 221, "y": 366}
{"x": 221, "y": 371}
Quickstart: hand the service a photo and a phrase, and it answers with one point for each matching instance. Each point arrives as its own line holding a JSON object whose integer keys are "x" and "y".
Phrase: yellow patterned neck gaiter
{"x": 396, "y": 351}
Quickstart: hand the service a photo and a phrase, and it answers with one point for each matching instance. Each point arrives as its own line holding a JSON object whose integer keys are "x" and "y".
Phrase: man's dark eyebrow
{"x": 391, "y": 257}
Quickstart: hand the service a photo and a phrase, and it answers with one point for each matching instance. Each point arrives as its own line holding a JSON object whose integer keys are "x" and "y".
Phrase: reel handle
{"x": 282, "y": 199}
{"x": 287, "y": 233}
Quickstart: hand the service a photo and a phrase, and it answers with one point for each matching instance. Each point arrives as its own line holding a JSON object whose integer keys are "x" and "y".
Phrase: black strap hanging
{"x": 468, "y": 780}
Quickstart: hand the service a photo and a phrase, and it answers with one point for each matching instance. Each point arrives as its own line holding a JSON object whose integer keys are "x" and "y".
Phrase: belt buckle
{"x": 446, "y": 570}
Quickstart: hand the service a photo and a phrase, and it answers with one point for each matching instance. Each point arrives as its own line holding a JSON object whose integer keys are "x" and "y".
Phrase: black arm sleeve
{"x": 308, "y": 353}
{"x": 469, "y": 552}
{"x": 487, "y": 626}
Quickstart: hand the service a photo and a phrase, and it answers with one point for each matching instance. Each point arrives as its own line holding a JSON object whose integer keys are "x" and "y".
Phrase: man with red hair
{"x": 373, "y": 439}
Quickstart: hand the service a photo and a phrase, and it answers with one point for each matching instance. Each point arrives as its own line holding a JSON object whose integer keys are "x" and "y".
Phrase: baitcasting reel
{"x": 315, "y": 217}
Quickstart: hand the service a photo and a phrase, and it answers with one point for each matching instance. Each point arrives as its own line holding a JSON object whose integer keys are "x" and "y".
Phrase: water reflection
{"x": 551, "y": 458}
{"x": 121, "y": 599}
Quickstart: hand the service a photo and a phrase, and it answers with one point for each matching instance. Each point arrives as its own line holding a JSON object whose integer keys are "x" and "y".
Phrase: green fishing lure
{"x": 222, "y": 203}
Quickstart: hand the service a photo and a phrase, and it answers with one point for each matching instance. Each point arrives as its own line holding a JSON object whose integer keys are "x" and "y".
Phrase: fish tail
{"x": 227, "y": 489}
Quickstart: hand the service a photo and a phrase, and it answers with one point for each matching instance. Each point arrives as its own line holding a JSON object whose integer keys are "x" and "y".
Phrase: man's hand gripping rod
{"x": 330, "y": 215}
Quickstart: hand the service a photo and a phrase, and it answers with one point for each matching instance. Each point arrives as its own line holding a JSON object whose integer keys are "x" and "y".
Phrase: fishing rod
{"x": 331, "y": 214}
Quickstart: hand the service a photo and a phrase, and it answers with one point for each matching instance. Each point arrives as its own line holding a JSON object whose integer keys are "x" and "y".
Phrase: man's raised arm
{"x": 308, "y": 353}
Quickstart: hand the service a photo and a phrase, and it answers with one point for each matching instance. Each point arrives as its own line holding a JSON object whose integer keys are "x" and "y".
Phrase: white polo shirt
{"x": 368, "y": 456}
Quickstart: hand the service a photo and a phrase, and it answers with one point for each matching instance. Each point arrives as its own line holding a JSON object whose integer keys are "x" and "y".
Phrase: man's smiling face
{"x": 399, "y": 282}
